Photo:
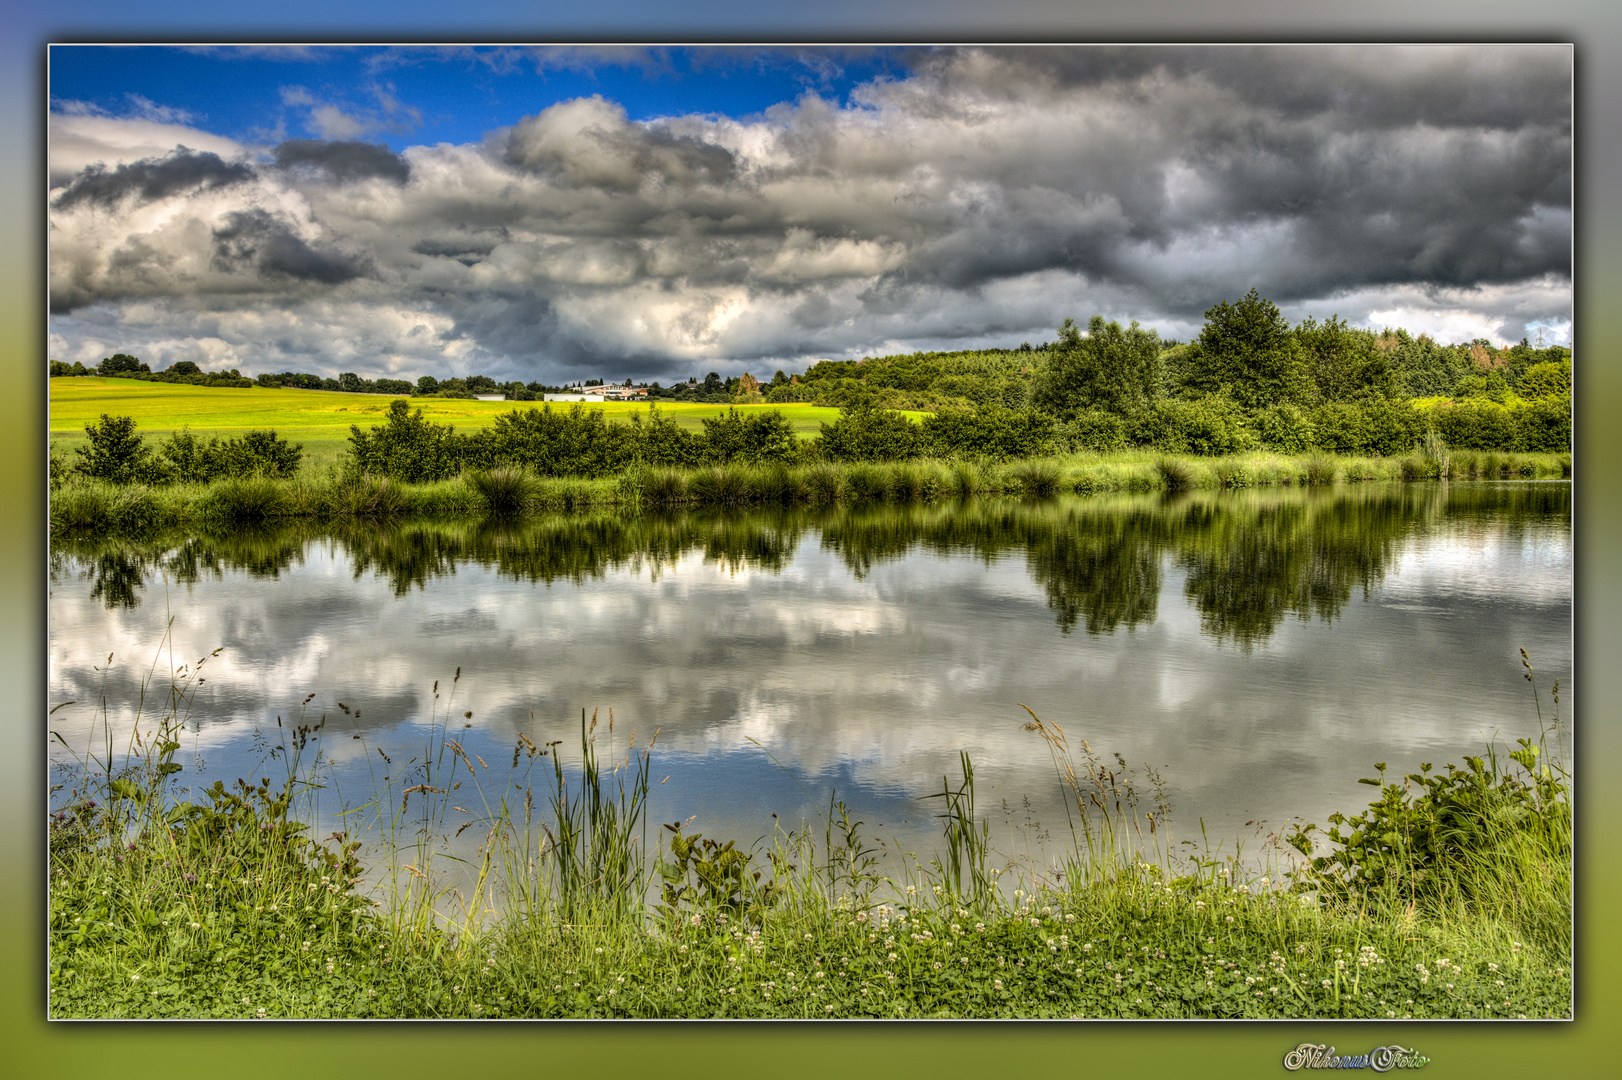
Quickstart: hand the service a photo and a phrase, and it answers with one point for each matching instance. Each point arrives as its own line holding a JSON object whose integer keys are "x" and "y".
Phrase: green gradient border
{"x": 1586, "y": 1047}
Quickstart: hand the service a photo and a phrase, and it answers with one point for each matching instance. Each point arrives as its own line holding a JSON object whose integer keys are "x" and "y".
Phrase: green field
{"x": 319, "y": 419}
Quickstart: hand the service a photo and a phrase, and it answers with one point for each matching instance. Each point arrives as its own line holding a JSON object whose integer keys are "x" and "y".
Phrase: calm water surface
{"x": 1259, "y": 650}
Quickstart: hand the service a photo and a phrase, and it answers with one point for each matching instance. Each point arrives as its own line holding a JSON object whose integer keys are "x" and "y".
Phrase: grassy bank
{"x": 172, "y": 902}
{"x": 79, "y": 505}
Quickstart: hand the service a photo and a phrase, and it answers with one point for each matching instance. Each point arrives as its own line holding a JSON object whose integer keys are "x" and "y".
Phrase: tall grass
{"x": 79, "y": 505}
{"x": 154, "y": 886}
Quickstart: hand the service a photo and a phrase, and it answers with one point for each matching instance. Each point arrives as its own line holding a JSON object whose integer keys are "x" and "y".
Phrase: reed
{"x": 556, "y": 914}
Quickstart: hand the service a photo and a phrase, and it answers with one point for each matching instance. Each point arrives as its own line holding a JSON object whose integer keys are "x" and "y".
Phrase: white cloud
{"x": 978, "y": 201}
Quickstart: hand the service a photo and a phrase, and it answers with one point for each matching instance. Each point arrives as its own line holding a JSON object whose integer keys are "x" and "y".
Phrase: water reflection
{"x": 1250, "y": 559}
{"x": 1261, "y": 649}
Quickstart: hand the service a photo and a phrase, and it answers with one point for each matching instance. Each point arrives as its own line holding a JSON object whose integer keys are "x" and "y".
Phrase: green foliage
{"x": 661, "y": 442}
{"x": 1091, "y": 431}
{"x": 1457, "y": 836}
{"x": 1285, "y": 428}
{"x": 406, "y": 447}
{"x": 504, "y": 489}
{"x": 708, "y": 878}
{"x": 1208, "y": 426}
{"x": 1247, "y": 351}
{"x": 1477, "y": 423}
{"x": 1488, "y": 384}
{"x": 1111, "y": 369}
{"x": 1374, "y": 426}
{"x": 1547, "y": 379}
{"x": 753, "y": 437}
{"x": 116, "y": 453}
{"x": 1343, "y": 363}
{"x": 576, "y": 442}
{"x": 120, "y": 364}
{"x": 1545, "y": 425}
{"x": 868, "y": 434}
{"x": 989, "y": 431}
{"x": 188, "y": 459}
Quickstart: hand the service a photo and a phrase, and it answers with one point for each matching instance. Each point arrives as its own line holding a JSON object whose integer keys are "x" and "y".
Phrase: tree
{"x": 1342, "y": 362}
{"x": 116, "y": 453}
{"x": 1110, "y": 369}
{"x": 427, "y": 384}
{"x": 184, "y": 367}
{"x": 1248, "y": 351}
{"x": 120, "y": 364}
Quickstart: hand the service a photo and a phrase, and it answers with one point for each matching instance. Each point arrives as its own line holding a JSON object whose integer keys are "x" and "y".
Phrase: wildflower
{"x": 997, "y": 983}
{"x": 196, "y": 926}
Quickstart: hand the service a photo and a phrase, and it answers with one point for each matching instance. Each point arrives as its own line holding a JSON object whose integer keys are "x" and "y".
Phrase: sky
{"x": 659, "y": 213}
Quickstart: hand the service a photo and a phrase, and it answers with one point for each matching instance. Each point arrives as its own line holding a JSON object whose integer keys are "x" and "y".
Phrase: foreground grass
{"x": 222, "y": 906}
{"x": 79, "y": 506}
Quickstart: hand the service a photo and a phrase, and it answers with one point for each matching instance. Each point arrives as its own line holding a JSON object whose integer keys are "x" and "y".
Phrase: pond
{"x": 1256, "y": 651}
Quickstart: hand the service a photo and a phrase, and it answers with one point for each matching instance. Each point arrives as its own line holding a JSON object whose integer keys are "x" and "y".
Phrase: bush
{"x": 1091, "y": 430}
{"x": 989, "y": 431}
{"x": 1211, "y": 425}
{"x": 1544, "y": 426}
{"x": 1285, "y": 428}
{"x": 1476, "y": 424}
{"x": 117, "y": 454}
{"x": 754, "y": 438}
{"x": 1480, "y": 835}
{"x": 868, "y": 434}
{"x": 406, "y": 447}
{"x": 659, "y": 442}
{"x": 1375, "y": 426}
{"x": 1548, "y": 379}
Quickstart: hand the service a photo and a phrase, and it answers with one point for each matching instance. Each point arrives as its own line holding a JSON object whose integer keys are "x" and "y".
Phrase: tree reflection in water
{"x": 1249, "y": 558}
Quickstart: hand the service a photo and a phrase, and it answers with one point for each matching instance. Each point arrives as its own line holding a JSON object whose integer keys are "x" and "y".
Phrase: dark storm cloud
{"x": 155, "y": 178}
{"x": 344, "y": 161}
{"x": 256, "y": 239}
{"x": 978, "y": 194}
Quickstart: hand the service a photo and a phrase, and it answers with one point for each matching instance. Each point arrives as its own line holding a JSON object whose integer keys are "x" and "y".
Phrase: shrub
{"x": 867, "y": 434}
{"x": 1483, "y": 834}
{"x": 1476, "y": 424}
{"x": 754, "y": 438}
{"x": 1209, "y": 425}
{"x": 1375, "y": 426}
{"x": 579, "y": 442}
{"x": 1544, "y": 426}
{"x": 989, "y": 431}
{"x": 406, "y": 447}
{"x": 1548, "y": 379}
{"x": 1094, "y": 430}
{"x": 117, "y": 454}
{"x": 1285, "y": 428}
{"x": 660, "y": 442}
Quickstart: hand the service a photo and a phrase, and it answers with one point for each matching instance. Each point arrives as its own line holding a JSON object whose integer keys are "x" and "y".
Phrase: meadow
{"x": 320, "y": 419}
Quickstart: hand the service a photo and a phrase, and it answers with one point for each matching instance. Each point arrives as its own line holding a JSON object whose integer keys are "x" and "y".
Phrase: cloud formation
{"x": 977, "y": 200}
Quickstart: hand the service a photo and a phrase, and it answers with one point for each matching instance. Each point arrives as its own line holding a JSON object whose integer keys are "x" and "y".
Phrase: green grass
{"x": 219, "y": 904}
{"x": 331, "y": 495}
{"x": 320, "y": 419}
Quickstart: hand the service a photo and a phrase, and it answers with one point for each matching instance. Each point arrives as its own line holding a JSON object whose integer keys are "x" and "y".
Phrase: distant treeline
{"x": 1249, "y": 380}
